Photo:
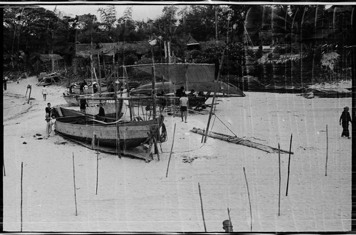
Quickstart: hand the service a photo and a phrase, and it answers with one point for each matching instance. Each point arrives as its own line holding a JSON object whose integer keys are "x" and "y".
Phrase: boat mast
{"x": 153, "y": 85}
{"x": 99, "y": 72}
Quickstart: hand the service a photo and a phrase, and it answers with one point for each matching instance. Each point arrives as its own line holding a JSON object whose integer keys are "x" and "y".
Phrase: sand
{"x": 136, "y": 196}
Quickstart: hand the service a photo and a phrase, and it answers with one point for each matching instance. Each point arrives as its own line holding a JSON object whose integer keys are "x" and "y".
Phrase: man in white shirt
{"x": 184, "y": 106}
{"x": 44, "y": 92}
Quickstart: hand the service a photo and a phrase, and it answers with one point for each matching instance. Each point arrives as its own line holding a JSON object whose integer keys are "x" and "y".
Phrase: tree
{"x": 108, "y": 16}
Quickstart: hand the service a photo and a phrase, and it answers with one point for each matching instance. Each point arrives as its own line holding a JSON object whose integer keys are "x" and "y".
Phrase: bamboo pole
{"x": 3, "y": 164}
{"x": 228, "y": 213}
{"x": 279, "y": 181}
{"x": 97, "y": 172}
{"x": 170, "y": 155}
{"x": 99, "y": 73}
{"x": 213, "y": 102}
{"x": 117, "y": 124}
{"x": 248, "y": 193}
{"x": 156, "y": 147}
{"x": 153, "y": 85}
{"x": 327, "y": 150}
{"x": 21, "y": 195}
{"x": 29, "y": 95}
{"x": 290, "y": 149}
{"x": 81, "y": 97}
{"x": 201, "y": 206}
{"x": 210, "y": 114}
{"x": 75, "y": 188}
{"x": 237, "y": 140}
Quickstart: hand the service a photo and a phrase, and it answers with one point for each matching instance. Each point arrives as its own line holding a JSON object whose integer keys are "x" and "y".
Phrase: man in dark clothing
{"x": 95, "y": 88}
{"x": 345, "y": 118}
{"x": 83, "y": 105}
{"x": 101, "y": 111}
{"x": 180, "y": 92}
{"x": 82, "y": 85}
{"x": 48, "y": 110}
{"x": 5, "y": 83}
{"x": 227, "y": 226}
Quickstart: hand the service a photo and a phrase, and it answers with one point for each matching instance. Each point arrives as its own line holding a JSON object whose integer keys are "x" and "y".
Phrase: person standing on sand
{"x": 5, "y": 83}
{"x": 81, "y": 87}
{"x": 44, "y": 92}
{"x": 184, "y": 106}
{"x": 48, "y": 110}
{"x": 345, "y": 118}
{"x": 101, "y": 110}
{"x": 83, "y": 105}
{"x": 227, "y": 226}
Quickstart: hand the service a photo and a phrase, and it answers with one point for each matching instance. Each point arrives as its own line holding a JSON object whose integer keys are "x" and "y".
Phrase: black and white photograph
{"x": 169, "y": 117}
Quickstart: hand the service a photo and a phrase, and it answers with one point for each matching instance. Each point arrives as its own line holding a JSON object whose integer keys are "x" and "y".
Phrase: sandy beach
{"x": 135, "y": 196}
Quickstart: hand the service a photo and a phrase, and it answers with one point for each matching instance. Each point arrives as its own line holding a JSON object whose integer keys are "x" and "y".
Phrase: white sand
{"x": 136, "y": 196}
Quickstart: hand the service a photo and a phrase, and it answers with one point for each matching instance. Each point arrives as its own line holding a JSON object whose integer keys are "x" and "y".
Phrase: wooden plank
{"x": 237, "y": 140}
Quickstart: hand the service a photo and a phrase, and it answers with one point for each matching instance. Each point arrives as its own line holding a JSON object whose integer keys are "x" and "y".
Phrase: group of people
{"x": 344, "y": 120}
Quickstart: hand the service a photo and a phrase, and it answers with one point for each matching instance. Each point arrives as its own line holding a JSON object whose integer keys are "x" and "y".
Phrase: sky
{"x": 139, "y": 12}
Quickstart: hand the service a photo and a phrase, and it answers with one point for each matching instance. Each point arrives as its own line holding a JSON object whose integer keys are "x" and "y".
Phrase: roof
{"x": 84, "y": 50}
{"x": 191, "y": 41}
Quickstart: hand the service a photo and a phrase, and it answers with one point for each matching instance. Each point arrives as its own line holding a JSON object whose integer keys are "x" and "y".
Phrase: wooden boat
{"x": 109, "y": 133}
{"x": 120, "y": 132}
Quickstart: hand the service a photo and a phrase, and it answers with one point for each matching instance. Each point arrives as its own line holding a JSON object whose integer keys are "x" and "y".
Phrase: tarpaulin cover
{"x": 182, "y": 74}
{"x": 198, "y": 77}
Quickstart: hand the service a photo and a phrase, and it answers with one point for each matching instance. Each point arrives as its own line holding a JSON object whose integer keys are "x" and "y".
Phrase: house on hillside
{"x": 107, "y": 54}
{"x": 47, "y": 62}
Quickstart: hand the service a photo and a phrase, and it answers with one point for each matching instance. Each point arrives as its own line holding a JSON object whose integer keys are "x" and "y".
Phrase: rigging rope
{"x": 225, "y": 125}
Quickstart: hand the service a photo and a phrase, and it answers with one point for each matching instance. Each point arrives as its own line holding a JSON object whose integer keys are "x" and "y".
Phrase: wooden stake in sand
{"x": 279, "y": 181}
{"x": 228, "y": 213}
{"x": 327, "y": 150}
{"x": 248, "y": 193}
{"x": 117, "y": 124}
{"x": 156, "y": 147}
{"x": 170, "y": 155}
{"x": 29, "y": 95}
{"x": 201, "y": 206}
{"x": 21, "y": 193}
{"x": 97, "y": 172}
{"x": 290, "y": 149}
{"x": 3, "y": 165}
{"x": 75, "y": 189}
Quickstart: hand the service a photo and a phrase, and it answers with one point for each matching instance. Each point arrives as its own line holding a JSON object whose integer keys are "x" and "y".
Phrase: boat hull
{"x": 84, "y": 128}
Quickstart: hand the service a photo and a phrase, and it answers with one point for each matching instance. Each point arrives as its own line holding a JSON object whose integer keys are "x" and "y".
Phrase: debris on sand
{"x": 24, "y": 143}
{"x": 187, "y": 159}
{"x": 237, "y": 140}
{"x": 60, "y": 142}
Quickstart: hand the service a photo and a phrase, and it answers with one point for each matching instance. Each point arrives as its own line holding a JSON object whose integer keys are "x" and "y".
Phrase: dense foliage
{"x": 291, "y": 44}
